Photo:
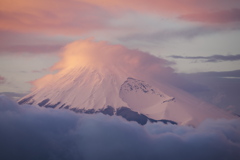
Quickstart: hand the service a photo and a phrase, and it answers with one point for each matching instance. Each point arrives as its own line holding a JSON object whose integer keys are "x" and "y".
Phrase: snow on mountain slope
{"x": 150, "y": 101}
{"x": 85, "y": 88}
{"x": 93, "y": 82}
{"x": 140, "y": 95}
{"x": 94, "y": 89}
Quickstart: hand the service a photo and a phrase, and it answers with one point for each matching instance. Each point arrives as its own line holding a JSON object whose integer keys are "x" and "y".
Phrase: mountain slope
{"x": 96, "y": 77}
{"x": 90, "y": 90}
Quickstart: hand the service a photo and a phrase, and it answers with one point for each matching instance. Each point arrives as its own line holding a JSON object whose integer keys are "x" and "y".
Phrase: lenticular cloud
{"x": 29, "y": 132}
{"x": 92, "y": 54}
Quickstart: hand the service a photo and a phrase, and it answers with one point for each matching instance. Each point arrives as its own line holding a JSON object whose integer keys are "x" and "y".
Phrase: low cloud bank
{"x": 29, "y": 132}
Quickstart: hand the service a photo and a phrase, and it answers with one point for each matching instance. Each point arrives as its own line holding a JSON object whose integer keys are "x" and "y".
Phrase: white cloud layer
{"x": 29, "y": 132}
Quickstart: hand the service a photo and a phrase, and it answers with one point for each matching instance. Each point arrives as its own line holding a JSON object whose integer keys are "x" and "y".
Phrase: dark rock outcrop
{"x": 25, "y": 100}
{"x": 44, "y": 102}
{"x": 130, "y": 115}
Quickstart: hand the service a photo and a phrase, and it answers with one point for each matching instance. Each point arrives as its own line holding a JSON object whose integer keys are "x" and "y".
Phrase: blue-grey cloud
{"x": 222, "y": 88}
{"x": 234, "y": 73}
{"x": 29, "y": 132}
{"x": 169, "y": 34}
{"x": 214, "y": 58}
{"x": 13, "y": 95}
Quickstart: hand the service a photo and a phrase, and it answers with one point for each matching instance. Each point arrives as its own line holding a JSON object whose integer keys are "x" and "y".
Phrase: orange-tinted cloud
{"x": 89, "y": 53}
{"x": 51, "y": 16}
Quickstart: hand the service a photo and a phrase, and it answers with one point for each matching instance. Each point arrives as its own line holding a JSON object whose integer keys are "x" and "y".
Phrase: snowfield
{"x": 92, "y": 89}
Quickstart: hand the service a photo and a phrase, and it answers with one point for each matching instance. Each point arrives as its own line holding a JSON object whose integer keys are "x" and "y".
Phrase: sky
{"x": 190, "y": 44}
{"x": 199, "y": 39}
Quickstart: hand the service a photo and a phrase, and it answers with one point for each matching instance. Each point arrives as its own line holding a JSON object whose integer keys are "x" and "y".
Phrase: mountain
{"x": 113, "y": 91}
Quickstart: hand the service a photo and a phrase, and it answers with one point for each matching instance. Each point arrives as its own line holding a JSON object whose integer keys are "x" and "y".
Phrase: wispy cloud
{"x": 2, "y": 80}
{"x": 214, "y": 58}
{"x": 17, "y": 43}
{"x": 222, "y": 74}
{"x": 169, "y": 34}
{"x": 222, "y": 17}
{"x": 31, "y": 48}
{"x": 39, "y": 71}
{"x": 167, "y": 7}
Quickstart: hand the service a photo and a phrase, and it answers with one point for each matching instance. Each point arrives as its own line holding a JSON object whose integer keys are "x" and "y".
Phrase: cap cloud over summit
{"x": 119, "y": 80}
{"x": 91, "y": 75}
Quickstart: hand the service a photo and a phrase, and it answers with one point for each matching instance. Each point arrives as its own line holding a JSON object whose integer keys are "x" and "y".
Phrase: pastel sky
{"x": 200, "y": 38}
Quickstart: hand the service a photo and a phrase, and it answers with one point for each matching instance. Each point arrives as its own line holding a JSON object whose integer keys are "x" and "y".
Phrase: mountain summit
{"x": 115, "y": 83}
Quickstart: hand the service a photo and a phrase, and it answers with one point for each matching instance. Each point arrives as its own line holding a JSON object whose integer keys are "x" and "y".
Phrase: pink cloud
{"x": 17, "y": 43}
{"x": 204, "y": 11}
{"x": 52, "y": 16}
{"x": 31, "y": 48}
{"x": 82, "y": 16}
{"x": 223, "y": 16}
{"x": 165, "y": 6}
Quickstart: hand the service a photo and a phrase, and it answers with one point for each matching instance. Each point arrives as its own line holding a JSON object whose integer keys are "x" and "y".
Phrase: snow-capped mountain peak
{"x": 95, "y": 77}
{"x": 93, "y": 90}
